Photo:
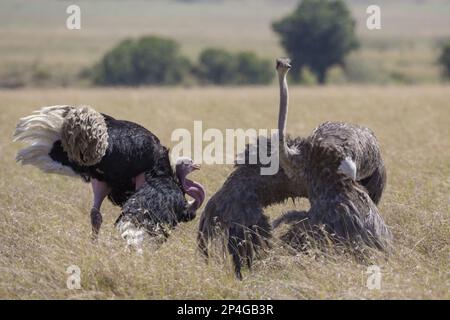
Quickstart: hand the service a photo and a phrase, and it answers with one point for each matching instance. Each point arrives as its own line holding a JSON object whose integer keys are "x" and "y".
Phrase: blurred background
{"x": 221, "y": 42}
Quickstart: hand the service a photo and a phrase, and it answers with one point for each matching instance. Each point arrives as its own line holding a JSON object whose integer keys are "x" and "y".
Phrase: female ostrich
{"x": 345, "y": 178}
{"x": 79, "y": 141}
{"x": 340, "y": 209}
{"x": 236, "y": 210}
{"x": 160, "y": 203}
{"x": 359, "y": 153}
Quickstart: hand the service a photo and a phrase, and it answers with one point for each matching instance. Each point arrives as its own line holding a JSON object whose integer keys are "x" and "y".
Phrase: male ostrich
{"x": 236, "y": 210}
{"x": 160, "y": 204}
{"x": 79, "y": 141}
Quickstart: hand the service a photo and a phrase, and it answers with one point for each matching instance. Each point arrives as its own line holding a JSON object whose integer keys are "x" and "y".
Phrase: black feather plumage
{"x": 116, "y": 156}
{"x": 159, "y": 204}
{"x": 132, "y": 149}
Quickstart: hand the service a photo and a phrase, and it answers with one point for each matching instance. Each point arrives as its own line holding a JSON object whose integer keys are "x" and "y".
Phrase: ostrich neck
{"x": 193, "y": 189}
{"x": 285, "y": 152}
{"x": 283, "y": 112}
{"x": 196, "y": 191}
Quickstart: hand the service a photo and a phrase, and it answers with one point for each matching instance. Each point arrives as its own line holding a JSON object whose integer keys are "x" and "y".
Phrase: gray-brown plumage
{"x": 341, "y": 208}
{"x": 236, "y": 211}
{"x": 357, "y": 146}
{"x": 345, "y": 178}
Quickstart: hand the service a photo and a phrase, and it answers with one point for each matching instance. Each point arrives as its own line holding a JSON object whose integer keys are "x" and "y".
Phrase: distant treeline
{"x": 157, "y": 61}
{"x": 444, "y": 60}
{"x": 318, "y": 35}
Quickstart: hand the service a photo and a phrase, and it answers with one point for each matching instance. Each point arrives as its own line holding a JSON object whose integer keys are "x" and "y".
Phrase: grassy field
{"x": 36, "y": 48}
{"x": 44, "y": 221}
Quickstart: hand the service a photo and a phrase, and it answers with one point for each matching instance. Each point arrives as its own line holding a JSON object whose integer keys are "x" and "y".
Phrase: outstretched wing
{"x": 236, "y": 212}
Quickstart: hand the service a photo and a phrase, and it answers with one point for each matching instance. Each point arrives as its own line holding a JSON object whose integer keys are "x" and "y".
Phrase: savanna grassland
{"x": 44, "y": 219}
{"x": 45, "y": 227}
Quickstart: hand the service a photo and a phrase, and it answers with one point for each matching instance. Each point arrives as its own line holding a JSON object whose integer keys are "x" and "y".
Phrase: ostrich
{"x": 341, "y": 208}
{"x": 78, "y": 141}
{"x": 160, "y": 203}
{"x": 359, "y": 152}
{"x": 236, "y": 211}
{"x": 345, "y": 178}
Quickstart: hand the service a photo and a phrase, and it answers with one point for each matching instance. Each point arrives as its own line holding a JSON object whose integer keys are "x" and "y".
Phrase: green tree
{"x": 444, "y": 60}
{"x": 148, "y": 60}
{"x": 318, "y": 34}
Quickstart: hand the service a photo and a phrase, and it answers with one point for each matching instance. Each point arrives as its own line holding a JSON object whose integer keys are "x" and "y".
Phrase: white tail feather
{"x": 133, "y": 235}
{"x": 41, "y": 130}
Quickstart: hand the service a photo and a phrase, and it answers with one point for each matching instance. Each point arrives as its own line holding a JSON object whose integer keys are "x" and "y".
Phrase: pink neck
{"x": 196, "y": 191}
{"x": 193, "y": 189}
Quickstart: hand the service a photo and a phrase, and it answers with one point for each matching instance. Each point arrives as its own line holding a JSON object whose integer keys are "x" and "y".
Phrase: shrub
{"x": 220, "y": 67}
{"x": 148, "y": 60}
{"x": 216, "y": 66}
{"x": 444, "y": 59}
{"x": 252, "y": 70}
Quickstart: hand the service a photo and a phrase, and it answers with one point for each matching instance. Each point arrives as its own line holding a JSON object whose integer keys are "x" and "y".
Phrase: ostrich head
{"x": 283, "y": 65}
{"x": 183, "y": 167}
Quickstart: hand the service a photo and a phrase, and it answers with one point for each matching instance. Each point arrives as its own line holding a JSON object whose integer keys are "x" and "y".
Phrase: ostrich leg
{"x": 139, "y": 181}
{"x": 101, "y": 191}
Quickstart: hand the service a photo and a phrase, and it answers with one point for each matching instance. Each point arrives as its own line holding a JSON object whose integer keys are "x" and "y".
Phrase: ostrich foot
{"x": 96, "y": 222}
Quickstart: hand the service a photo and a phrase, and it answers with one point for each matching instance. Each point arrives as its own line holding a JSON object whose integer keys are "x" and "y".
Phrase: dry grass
{"x": 44, "y": 222}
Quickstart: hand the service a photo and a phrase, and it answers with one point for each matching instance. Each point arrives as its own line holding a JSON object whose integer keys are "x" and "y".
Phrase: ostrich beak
{"x": 196, "y": 166}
